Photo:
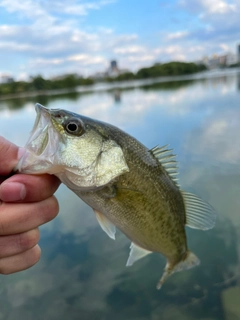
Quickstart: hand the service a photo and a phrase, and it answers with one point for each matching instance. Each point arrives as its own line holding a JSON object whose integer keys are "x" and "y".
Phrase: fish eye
{"x": 74, "y": 127}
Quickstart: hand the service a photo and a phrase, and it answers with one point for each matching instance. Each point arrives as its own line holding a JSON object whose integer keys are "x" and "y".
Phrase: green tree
{"x": 39, "y": 83}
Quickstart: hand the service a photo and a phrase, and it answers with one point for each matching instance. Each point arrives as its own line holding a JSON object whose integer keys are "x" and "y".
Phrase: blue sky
{"x": 55, "y": 37}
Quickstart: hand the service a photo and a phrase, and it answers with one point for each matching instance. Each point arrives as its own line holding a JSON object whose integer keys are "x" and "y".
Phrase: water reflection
{"x": 117, "y": 96}
{"x": 82, "y": 272}
{"x": 238, "y": 81}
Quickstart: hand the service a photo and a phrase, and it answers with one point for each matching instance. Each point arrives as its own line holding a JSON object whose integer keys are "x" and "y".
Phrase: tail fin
{"x": 190, "y": 261}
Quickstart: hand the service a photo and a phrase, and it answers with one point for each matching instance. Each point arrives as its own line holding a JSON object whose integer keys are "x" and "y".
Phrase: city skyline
{"x": 51, "y": 38}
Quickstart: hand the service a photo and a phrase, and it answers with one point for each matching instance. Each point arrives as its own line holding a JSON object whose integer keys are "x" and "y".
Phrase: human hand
{"x": 26, "y": 202}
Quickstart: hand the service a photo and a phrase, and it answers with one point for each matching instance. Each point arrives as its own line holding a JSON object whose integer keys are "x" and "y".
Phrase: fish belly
{"x": 148, "y": 223}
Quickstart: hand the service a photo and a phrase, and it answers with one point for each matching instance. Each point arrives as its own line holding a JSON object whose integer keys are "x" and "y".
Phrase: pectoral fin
{"x": 136, "y": 253}
{"x": 105, "y": 224}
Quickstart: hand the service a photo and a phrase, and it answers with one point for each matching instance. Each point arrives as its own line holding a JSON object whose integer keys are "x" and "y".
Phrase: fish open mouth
{"x": 39, "y": 136}
{"x": 41, "y": 146}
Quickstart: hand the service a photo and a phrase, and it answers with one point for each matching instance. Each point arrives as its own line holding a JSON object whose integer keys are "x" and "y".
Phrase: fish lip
{"x": 41, "y": 121}
{"x": 40, "y": 106}
{"x": 41, "y": 112}
{"x": 40, "y": 109}
{"x": 47, "y": 113}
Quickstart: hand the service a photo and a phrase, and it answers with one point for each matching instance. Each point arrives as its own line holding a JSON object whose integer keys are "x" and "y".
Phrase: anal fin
{"x": 105, "y": 224}
{"x": 136, "y": 253}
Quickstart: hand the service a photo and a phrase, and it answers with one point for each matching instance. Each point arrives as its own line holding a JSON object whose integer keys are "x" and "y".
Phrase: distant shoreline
{"x": 105, "y": 86}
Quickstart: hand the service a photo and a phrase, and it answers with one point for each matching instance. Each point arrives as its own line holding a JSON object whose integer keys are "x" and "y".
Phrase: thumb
{"x": 9, "y": 155}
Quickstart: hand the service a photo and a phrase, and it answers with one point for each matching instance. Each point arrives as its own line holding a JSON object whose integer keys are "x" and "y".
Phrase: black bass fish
{"x": 127, "y": 185}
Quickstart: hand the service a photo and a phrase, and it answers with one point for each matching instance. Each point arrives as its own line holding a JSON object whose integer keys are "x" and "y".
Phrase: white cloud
{"x": 224, "y": 47}
{"x": 141, "y": 58}
{"x": 87, "y": 59}
{"x": 27, "y": 7}
{"x": 170, "y": 52}
{"x": 80, "y": 36}
{"x": 45, "y": 62}
{"x": 8, "y": 31}
{"x": 38, "y": 8}
{"x": 82, "y": 9}
{"x": 177, "y": 35}
{"x": 13, "y": 46}
{"x": 205, "y": 7}
{"x": 218, "y": 20}
{"x": 218, "y": 6}
{"x": 78, "y": 57}
{"x": 129, "y": 50}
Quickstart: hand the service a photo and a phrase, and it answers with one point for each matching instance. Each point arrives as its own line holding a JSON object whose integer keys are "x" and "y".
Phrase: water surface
{"x": 82, "y": 273}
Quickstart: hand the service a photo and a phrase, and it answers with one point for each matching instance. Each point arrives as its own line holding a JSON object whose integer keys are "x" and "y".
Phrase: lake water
{"x": 82, "y": 273}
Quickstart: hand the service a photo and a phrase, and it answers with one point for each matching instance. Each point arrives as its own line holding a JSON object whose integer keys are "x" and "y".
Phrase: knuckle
{"x": 51, "y": 209}
{"x": 28, "y": 239}
{"x": 3, "y": 227}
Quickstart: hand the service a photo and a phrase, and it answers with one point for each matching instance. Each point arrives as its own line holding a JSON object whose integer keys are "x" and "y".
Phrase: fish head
{"x": 72, "y": 147}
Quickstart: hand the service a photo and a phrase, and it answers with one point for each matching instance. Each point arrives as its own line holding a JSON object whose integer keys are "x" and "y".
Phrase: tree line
{"x": 71, "y": 81}
{"x": 38, "y": 83}
{"x": 174, "y": 68}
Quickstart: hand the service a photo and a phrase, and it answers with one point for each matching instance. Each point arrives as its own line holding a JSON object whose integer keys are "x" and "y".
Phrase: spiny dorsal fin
{"x": 167, "y": 160}
{"x": 199, "y": 214}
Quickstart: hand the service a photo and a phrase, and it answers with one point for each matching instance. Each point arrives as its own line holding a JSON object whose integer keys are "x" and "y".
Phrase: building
{"x": 113, "y": 64}
{"x": 238, "y": 53}
{"x": 6, "y": 78}
{"x": 113, "y": 70}
{"x": 231, "y": 59}
{"x": 216, "y": 61}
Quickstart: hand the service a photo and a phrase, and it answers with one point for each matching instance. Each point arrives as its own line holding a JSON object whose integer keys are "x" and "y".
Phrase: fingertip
{"x": 30, "y": 188}
{"x": 32, "y": 256}
{"x": 12, "y": 191}
{"x": 36, "y": 254}
{"x": 29, "y": 239}
{"x": 50, "y": 209}
{"x": 20, "y": 261}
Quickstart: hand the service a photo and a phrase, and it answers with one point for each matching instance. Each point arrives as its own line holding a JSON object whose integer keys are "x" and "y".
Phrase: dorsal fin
{"x": 167, "y": 160}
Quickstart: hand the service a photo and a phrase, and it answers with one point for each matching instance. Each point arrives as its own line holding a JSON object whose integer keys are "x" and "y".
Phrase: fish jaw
{"x": 38, "y": 156}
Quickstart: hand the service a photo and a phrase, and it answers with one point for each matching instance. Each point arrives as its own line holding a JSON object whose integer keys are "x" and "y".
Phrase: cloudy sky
{"x": 55, "y": 37}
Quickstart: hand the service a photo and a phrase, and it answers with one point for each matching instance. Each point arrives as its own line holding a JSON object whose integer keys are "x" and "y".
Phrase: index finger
{"x": 8, "y": 156}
